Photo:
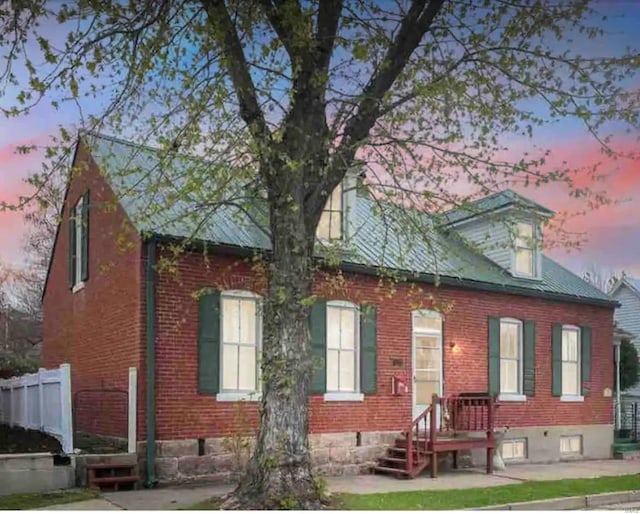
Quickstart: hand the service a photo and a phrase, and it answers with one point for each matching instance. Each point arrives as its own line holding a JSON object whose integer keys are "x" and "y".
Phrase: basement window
{"x": 514, "y": 449}
{"x": 571, "y": 445}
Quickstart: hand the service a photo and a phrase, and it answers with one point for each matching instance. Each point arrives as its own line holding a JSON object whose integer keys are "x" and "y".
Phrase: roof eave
{"x": 428, "y": 278}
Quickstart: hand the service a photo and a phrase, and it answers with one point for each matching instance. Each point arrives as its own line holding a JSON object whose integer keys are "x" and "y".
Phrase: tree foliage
{"x": 629, "y": 363}
{"x": 285, "y": 97}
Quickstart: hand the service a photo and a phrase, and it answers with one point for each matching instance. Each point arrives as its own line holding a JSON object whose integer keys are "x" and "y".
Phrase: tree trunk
{"x": 279, "y": 473}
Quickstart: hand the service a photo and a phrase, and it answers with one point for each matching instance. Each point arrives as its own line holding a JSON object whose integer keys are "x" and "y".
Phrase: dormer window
{"x": 330, "y": 225}
{"x": 525, "y": 262}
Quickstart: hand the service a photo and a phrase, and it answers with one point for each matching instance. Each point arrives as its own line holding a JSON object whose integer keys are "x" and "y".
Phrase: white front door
{"x": 427, "y": 359}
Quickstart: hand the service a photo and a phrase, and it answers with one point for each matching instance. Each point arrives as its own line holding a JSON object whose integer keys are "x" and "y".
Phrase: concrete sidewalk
{"x": 171, "y": 498}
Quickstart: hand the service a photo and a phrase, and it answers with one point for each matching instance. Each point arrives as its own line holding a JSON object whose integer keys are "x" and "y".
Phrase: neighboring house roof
{"x": 632, "y": 283}
{"x": 375, "y": 242}
{"x": 494, "y": 202}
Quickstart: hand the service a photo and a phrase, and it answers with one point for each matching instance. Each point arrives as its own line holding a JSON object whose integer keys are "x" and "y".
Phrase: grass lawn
{"x": 483, "y": 497}
{"x": 37, "y": 500}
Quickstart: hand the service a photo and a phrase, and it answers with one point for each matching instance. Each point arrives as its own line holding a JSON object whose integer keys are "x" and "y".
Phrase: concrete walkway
{"x": 171, "y": 498}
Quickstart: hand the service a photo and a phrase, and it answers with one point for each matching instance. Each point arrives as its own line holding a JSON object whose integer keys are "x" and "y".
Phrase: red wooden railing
{"x": 453, "y": 415}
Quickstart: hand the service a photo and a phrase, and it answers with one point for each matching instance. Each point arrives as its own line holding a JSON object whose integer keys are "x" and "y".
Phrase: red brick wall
{"x": 183, "y": 413}
{"x": 97, "y": 329}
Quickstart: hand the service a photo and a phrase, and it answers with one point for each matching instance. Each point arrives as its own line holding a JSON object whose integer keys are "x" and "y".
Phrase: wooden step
{"x": 397, "y": 449}
{"x": 394, "y": 459}
{"x": 116, "y": 480}
{"x": 110, "y": 466}
{"x": 390, "y": 471}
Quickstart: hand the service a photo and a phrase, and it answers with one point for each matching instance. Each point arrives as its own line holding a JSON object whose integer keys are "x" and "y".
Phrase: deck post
{"x": 490, "y": 438}
{"x": 409, "y": 439}
{"x": 433, "y": 429}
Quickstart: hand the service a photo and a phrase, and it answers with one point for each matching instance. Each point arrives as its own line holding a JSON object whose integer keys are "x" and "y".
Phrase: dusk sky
{"x": 612, "y": 232}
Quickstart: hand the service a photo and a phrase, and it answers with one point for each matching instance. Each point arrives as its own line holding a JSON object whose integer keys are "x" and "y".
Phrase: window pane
{"x": 518, "y": 450}
{"x": 569, "y": 378}
{"x": 509, "y": 340}
{"x": 347, "y": 371}
{"x": 427, "y": 358}
{"x": 230, "y": 320}
{"x": 323, "y": 226}
{"x": 525, "y": 233}
{"x": 428, "y": 341}
{"x": 425, "y": 390}
{"x": 507, "y": 450}
{"x": 427, "y": 323}
{"x": 332, "y": 370}
{"x": 336, "y": 225}
{"x": 347, "y": 328}
{"x": 524, "y": 261}
{"x": 247, "y": 379}
{"x": 509, "y": 376}
{"x": 229, "y": 367}
{"x": 431, "y": 375}
{"x": 335, "y": 201}
{"x": 248, "y": 321}
{"x": 569, "y": 345}
{"x": 333, "y": 327}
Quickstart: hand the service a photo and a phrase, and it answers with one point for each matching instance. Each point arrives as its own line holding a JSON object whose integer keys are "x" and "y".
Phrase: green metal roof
{"x": 379, "y": 238}
{"x": 494, "y": 202}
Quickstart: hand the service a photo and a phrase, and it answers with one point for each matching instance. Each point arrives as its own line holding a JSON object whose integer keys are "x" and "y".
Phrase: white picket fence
{"x": 40, "y": 401}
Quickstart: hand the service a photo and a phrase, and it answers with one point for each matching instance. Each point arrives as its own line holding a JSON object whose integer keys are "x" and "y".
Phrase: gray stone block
{"x": 179, "y": 448}
{"x": 596, "y": 500}
{"x": 570, "y": 503}
{"x": 167, "y": 468}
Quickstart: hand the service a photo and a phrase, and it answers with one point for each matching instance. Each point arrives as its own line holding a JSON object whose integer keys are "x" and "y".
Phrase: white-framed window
{"x": 330, "y": 224}
{"x": 343, "y": 347}
{"x": 571, "y": 445}
{"x": 511, "y": 357}
{"x": 525, "y": 259}
{"x": 427, "y": 356}
{"x": 78, "y": 225}
{"x": 571, "y": 375}
{"x": 514, "y": 449}
{"x": 241, "y": 342}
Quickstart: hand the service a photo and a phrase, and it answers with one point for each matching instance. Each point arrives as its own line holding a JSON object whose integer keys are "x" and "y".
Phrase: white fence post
{"x": 132, "y": 417}
{"x": 66, "y": 424}
{"x": 40, "y": 400}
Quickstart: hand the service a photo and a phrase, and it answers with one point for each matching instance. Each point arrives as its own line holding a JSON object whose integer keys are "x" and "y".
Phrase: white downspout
{"x": 617, "y": 343}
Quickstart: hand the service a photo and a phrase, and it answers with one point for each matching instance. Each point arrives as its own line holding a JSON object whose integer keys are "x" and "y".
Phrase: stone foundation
{"x": 343, "y": 453}
{"x": 543, "y": 443}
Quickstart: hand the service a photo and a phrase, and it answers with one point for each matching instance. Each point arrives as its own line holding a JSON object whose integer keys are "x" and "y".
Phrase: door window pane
{"x": 427, "y": 323}
{"x": 427, "y": 358}
{"x": 425, "y": 390}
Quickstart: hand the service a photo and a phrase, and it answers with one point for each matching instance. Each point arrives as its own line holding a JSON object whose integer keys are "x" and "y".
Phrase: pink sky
{"x": 612, "y": 232}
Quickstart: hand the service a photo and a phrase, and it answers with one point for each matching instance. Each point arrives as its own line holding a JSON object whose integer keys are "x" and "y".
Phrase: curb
{"x": 570, "y": 502}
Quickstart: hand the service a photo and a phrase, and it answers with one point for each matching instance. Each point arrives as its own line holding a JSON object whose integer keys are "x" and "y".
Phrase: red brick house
{"x": 504, "y": 320}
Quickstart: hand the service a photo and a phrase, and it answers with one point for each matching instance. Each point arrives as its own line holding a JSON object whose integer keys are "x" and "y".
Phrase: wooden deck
{"x": 460, "y": 423}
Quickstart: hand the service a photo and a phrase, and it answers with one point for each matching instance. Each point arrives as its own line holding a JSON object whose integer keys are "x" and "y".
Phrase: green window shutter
{"x": 494, "y": 356}
{"x": 585, "y": 358}
{"x": 556, "y": 360}
{"x": 318, "y": 343}
{"x": 529, "y": 358}
{"x": 85, "y": 238}
{"x": 368, "y": 354}
{"x": 72, "y": 249}
{"x": 209, "y": 343}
